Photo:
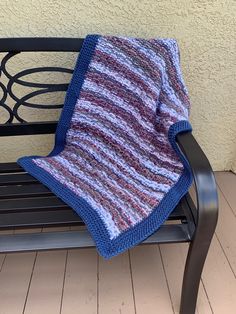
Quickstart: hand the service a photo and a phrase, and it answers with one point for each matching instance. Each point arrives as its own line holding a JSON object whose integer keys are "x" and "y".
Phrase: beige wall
{"x": 233, "y": 166}
{"x": 204, "y": 29}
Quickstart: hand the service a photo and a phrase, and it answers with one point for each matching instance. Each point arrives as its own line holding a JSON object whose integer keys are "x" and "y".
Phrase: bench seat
{"x": 26, "y": 203}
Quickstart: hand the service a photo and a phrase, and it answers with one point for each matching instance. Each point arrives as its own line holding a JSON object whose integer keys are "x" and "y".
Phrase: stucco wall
{"x": 206, "y": 34}
{"x": 234, "y": 165}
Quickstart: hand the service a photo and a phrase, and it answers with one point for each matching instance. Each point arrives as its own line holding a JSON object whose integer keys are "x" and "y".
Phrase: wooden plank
{"x": 3, "y": 255}
{"x": 226, "y": 231}
{"x": 2, "y": 258}
{"x": 219, "y": 281}
{"x": 174, "y": 256}
{"x": 80, "y": 289}
{"x": 115, "y": 294}
{"x": 14, "y": 281}
{"x": 47, "y": 283}
{"x": 150, "y": 288}
{"x": 227, "y": 184}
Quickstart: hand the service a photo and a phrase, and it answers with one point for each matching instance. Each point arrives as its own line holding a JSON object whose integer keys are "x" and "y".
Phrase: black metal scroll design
{"x": 43, "y": 88}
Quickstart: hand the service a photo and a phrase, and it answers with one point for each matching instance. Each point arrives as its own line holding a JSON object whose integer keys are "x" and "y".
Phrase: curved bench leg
{"x": 196, "y": 257}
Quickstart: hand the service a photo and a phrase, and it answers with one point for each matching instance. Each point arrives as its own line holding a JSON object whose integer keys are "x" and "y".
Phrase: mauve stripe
{"x": 121, "y": 68}
{"x": 136, "y": 195}
{"x": 122, "y": 84}
{"x": 142, "y": 174}
{"x": 167, "y": 85}
{"x": 86, "y": 125}
{"x": 148, "y": 145}
{"x": 145, "y": 108}
{"x": 124, "y": 134}
{"x": 142, "y": 168}
{"x": 125, "y": 81}
{"x": 173, "y": 50}
{"x": 116, "y": 185}
{"x": 129, "y": 84}
{"x": 120, "y": 91}
{"x": 111, "y": 161}
{"x": 107, "y": 189}
{"x": 171, "y": 113}
{"x": 168, "y": 113}
{"x": 160, "y": 47}
{"x": 161, "y": 145}
{"x": 175, "y": 102}
{"x": 147, "y": 133}
{"x": 149, "y": 68}
{"x": 105, "y": 216}
{"x": 104, "y": 187}
{"x": 88, "y": 185}
{"x": 99, "y": 92}
{"x": 124, "y": 61}
{"x": 119, "y": 101}
{"x": 103, "y": 101}
{"x": 159, "y": 50}
{"x": 144, "y": 194}
{"x": 128, "y": 154}
{"x": 172, "y": 91}
{"x": 149, "y": 187}
{"x": 172, "y": 78}
{"x": 176, "y": 112}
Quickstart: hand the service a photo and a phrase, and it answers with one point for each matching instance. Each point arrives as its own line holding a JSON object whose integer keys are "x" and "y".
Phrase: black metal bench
{"x": 26, "y": 203}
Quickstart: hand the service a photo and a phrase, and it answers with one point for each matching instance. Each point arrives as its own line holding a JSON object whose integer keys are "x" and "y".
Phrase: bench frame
{"x": 25, "y": 203}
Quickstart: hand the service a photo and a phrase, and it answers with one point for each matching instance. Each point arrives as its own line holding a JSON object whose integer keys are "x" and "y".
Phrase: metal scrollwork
{"x": 42, "y": 88}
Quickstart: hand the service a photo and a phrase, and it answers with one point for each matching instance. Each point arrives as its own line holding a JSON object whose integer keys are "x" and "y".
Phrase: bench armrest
{"x": 205, "y": 184}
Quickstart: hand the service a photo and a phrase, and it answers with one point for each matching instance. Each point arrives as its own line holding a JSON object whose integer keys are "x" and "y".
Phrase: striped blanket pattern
{"x": 115, "y": 160}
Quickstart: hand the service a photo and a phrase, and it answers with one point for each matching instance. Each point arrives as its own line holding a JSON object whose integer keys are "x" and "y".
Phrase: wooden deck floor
{"x": 145, "y": 280}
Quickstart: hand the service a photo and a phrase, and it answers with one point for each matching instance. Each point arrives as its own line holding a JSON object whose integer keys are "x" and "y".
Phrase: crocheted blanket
{"x": 116, "y": 161}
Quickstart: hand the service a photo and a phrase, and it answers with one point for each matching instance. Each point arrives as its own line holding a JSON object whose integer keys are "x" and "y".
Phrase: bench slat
{"x": 31, "y": 204}
{"x": 76, "y": 239}
{"x": 28, "y": 128}
{"x": 22, "y": 204}
{"x": 41, "y": 44}
{"x": 29, "y": 190}
{"x": 16, "y": 178}
{"x": 40, "y": 219}
{"x": 10, "y": 167}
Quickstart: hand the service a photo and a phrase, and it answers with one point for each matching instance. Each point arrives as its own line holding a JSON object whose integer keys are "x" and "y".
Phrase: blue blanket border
{"x": 106, "y": 247}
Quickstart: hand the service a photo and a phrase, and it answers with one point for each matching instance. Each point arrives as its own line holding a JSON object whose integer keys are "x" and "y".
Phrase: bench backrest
{"x": 16, "y": 125}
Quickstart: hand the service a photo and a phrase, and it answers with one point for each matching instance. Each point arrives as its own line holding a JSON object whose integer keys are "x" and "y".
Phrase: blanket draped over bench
{"x": 115, "y": 160}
